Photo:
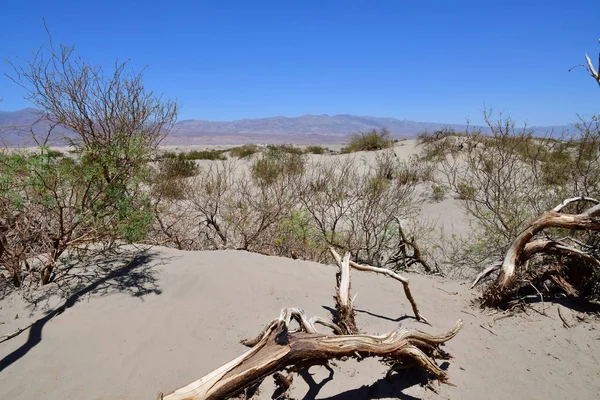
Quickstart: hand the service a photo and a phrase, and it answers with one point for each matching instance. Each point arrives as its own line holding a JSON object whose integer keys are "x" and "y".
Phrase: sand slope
{"x": 178, "y": 315}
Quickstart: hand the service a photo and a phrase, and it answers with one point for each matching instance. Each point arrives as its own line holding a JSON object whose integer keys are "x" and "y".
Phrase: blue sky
{"x": 437, "y": 61}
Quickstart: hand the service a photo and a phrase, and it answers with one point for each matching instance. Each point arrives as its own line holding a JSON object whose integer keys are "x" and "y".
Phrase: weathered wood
{"x": 344, "y": 317}
{"x": 485, "y": 273}
{"x": 279, "y": 348}
{"x": 391, "y": 274}
{"x": 554, "y": 247}
{"x": 516, "y": 254}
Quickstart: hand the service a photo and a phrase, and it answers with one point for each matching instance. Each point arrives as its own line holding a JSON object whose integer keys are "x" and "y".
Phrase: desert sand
{"x": 176, "y": 316}
{"x": 173, "y": 316}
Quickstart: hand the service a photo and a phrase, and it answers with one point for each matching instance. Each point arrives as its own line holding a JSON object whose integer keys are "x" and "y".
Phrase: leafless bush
{"x": 506, "y": 179}
{"x": 281, "y": 205}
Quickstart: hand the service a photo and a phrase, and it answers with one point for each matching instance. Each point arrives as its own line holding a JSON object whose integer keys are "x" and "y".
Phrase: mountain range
{"x": 305, "y": 128}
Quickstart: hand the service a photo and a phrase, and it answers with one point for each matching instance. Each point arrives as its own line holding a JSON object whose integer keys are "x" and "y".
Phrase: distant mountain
{"x": 306, "y": 125}
{"x": 16, "y": 127}
{"x": 325, "y": 127}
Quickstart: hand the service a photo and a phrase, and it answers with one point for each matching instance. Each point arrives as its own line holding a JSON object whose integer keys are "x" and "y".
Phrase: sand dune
{"x": 175, "y": 316}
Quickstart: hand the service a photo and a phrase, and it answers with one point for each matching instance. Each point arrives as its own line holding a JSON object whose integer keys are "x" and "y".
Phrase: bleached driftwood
{"x": 278, "y": 347}
{"x": 389, "y": 273}
{"x": 344, "y": 316}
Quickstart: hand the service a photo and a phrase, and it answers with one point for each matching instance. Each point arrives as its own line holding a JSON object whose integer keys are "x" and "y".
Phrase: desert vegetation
{"x": 369, "y": 141}
{"x": 55, "y": 207}
{"x": 508, "y": 178}
{"x": 116, "y": 188}
{"x": 284, "y": 204}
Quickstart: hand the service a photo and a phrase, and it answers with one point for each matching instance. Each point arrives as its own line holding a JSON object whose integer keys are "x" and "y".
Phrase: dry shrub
{"x": 369, "y": 141}
{"x": 284, "y": 206}
{"x": 244, "y": 151}
{"x": 507, "y": 178}
{"x": 52, "y": 206}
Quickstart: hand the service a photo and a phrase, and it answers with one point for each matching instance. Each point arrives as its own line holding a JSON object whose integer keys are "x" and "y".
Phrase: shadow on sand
{"x": 391, "y": 387}
{"x": 333, "y": 313}
{"x": 136, "y": 277}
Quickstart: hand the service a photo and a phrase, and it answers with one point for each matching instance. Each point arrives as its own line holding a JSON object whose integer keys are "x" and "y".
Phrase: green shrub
{"x": 243, "y": 151}
{"x": 424, "y": 138}
{"x": 168, "y": 179}
{"x": 438, "y": 192}
{"x": 316, "y": 150}
{"x": 206, "y": 155}
{"x": 437, "y": 145}
{"x": 179, "y": 167}
{"x": 370, "y": 141}
{"x": 465, "y": 191}
{"x": 166, "y": 155}
{"x": 195, "y": 155}
{"x": 54, "y": 153}
{"x": 285, "y": 148}
{"x": 277, "y": 163}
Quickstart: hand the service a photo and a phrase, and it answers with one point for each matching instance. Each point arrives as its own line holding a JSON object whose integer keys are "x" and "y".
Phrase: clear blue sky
{"x": 419, "y": 60}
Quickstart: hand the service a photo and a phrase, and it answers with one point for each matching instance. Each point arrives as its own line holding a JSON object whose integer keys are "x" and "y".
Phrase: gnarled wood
{"x": 389, "y": 273}
{"x": 516, "y": 254}
{"x": 279, "y": 348}
{"x": 568, "y": 274}
{"x": 344, "y": 317}
{"x": 416, "y": 257}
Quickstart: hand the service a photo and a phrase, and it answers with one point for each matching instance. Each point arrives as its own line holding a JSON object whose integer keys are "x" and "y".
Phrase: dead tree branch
{"x": 568, "y": 280}
{"x": 515, "y": 256}
{"x": 400, "y": 278}
{"x": 344, "y": 317}
{"x": 279, "y": 347}
{"x": 402, "y": 255}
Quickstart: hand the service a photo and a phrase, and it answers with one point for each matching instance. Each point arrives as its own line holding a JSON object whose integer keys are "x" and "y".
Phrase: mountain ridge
{"x": 323, "y": 125}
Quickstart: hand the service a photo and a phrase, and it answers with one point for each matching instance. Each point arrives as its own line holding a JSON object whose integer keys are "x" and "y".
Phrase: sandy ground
{"x": 175, "y": 316}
